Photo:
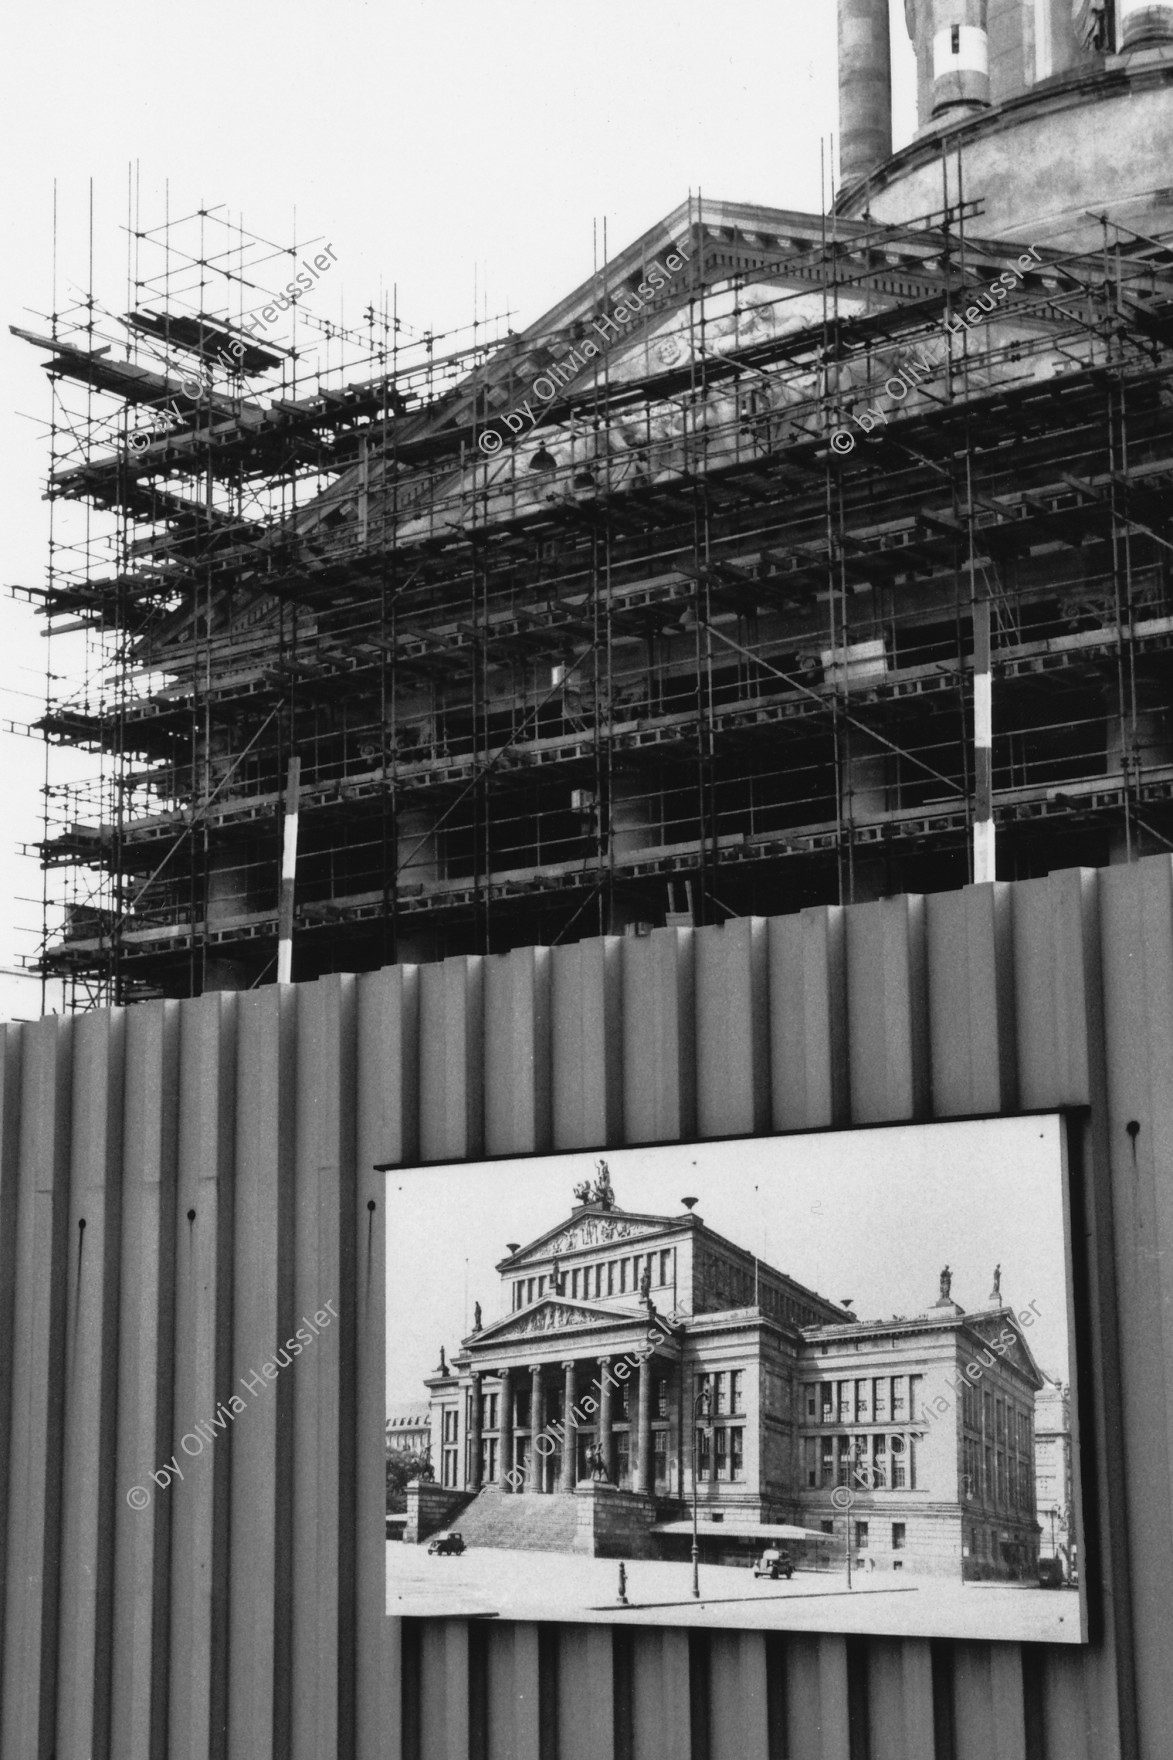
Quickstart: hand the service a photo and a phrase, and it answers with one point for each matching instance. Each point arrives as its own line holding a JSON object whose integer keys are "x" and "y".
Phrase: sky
{"x": 450, "y": 149}
{"x": 873, "y": 1215}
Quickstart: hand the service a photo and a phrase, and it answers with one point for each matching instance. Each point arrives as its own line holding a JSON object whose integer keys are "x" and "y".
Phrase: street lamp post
{"x": 700, "y": 1408}
{"x": 843, "y": 1496}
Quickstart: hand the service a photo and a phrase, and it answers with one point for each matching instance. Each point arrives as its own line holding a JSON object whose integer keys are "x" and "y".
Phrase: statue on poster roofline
{"x": 946, "y": 1284}
{"x": 601, "y": 1193}
{"x": 476, "y": 1316}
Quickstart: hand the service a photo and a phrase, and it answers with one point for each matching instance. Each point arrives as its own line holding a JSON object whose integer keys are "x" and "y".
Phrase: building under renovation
{"x": 790, "y": 559}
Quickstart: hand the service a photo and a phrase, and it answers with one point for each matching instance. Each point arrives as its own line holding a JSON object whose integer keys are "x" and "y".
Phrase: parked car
{"x": 448, "y": 1542}
{"x": 774, "y": 1564}
{"x": 1050, "y": 1573}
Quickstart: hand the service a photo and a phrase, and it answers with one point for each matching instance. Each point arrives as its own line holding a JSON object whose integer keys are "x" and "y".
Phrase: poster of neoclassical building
{"x": 789, "y": 1380}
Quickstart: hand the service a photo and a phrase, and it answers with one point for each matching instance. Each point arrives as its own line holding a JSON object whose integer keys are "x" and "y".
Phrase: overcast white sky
{"x": 435, "y": 143}
{"x": 873, "y": 1215}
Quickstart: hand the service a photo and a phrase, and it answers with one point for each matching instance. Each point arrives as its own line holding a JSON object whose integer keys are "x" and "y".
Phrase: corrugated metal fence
{"x": 182, "y": 1182}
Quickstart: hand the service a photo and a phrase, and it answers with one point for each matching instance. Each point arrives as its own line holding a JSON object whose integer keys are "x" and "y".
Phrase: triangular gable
{"x": 590, "y": 1227}
{"x": 992, "y": 1328}
{"x": 549, "y": 1315}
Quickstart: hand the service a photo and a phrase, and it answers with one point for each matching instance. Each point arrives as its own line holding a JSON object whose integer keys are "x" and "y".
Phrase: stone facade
{"x": 614, "y": 1523}
{"x": 662, "y": 1360}
{"x": 430, "y": 1508}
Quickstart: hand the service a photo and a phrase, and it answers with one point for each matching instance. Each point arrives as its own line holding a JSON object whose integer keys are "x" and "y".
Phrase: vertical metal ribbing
{"x": 288, "y": 870}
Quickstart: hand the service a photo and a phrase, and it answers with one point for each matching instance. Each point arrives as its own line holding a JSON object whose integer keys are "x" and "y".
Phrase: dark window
{"x": 661, "y": 1399}
{"x": 861, "y": 1536}
{"x": 955, "y": 43}
{"x": 898, "y": 1536}
{"x": 736, "y": 1378}
{"x": 736, "y": 1456}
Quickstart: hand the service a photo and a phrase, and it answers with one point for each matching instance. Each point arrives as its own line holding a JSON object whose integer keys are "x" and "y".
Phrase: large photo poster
{"x": 810, "y": 1383}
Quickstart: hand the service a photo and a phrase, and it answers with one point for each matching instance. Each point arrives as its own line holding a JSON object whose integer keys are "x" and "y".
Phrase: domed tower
{"x": 1051, "y": 113}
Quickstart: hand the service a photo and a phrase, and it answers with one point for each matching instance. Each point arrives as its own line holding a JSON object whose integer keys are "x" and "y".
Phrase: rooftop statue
{"x": 601, "y": 1193}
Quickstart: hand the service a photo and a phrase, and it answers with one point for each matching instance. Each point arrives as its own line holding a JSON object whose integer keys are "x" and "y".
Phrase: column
{"x": 474, "y": 1436}
{"x": 537, "y": 1423}
{"x": 961, "y": 57}
{"x": 865, "y": 88}
{"x": 643, "y": 1463}
{"x": 606, "y": 1442}
{"x": 505, "y": 1446}
{"x": 1144, "y": 24}
{"x": 712, "y": 1421}
{"x": 569, "y": 1431}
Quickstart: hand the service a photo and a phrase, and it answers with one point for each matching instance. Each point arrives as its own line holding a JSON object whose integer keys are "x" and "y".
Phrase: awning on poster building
{"x": 743, "y": 1530}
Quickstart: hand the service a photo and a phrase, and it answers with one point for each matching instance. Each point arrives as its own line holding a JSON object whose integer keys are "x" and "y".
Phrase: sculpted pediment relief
{"x": 552, "y": 1316}
{"x": 591, "y": 1231}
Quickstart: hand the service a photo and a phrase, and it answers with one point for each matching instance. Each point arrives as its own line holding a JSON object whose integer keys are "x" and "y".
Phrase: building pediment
{"x": 1017, "y": 1352}
{"x": 551, "y": 1315}
{"x": 590, "y": 1227}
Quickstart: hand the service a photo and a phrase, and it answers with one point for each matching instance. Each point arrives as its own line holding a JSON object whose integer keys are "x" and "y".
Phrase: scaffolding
{"x": 668, "y": 650}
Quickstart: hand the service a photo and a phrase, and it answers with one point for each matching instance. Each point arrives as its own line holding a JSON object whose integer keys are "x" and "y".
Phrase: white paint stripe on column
{"x": 983, "y": 851}
{"x": 983, "y": 709}
{"x": 288, "y": 871}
